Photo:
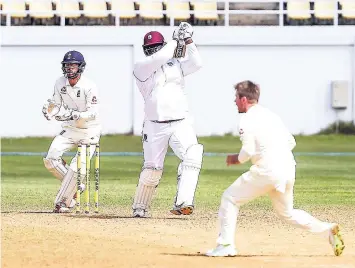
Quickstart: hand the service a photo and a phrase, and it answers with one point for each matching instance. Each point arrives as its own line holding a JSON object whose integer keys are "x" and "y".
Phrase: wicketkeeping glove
{"x": 69, "y": 114}
{"x": 50, "y": 109}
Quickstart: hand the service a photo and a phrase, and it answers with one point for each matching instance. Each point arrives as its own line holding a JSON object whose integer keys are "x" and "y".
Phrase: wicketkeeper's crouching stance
{"x": 160, "y": 79}
{"x": 75, "y": 102}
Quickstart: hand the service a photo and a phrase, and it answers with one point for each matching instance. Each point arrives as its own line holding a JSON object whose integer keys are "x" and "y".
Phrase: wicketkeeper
{"x": 75, "y": 103}
{"x": 160, "y": 79}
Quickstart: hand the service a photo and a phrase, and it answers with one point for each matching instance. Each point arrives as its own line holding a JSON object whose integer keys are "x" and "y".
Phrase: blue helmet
{"x": 73, "y": 57}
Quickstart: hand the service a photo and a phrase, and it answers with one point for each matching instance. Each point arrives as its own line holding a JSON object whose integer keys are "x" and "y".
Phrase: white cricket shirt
{"x": 82, "y": 97}
{"x": 265, "y": 139}
{"x": 160, "y": 79}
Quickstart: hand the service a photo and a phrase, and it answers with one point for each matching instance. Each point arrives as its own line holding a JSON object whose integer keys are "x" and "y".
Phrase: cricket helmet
{"x": 73, "y": 57}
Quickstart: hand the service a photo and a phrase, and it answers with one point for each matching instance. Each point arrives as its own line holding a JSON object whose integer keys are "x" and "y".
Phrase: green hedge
{"x": 342, "y": 127}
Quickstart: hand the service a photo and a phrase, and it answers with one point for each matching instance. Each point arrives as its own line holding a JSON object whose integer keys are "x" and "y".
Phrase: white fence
{"x": 294, "y": 66}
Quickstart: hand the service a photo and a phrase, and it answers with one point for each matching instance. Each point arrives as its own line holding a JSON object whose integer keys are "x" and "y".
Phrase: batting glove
{"x": 186, "y": 30}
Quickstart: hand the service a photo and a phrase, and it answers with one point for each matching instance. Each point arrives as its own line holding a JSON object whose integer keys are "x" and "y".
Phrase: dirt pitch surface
{"x": 116, "y": 240}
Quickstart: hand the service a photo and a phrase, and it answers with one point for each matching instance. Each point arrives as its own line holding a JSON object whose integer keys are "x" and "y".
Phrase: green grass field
{"x": 228, "y": 143}
{"x": 322, "y": 181}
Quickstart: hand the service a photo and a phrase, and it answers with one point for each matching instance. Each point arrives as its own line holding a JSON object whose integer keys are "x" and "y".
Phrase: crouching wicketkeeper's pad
{"x": 148, "y": 181}
{"x": 67, "y": 189}
{"x": 188, "y": 173}
{"x": 56, "y": 166}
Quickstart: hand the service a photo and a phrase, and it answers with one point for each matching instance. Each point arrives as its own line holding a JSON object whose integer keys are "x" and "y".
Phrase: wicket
{"x": 86, "y": 148}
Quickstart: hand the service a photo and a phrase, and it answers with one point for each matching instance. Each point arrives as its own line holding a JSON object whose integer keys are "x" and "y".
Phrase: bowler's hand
{"x": 232, "y": 159}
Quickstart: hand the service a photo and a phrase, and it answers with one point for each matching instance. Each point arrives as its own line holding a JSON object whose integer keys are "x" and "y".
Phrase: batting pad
{"x": 67, "y": 189}
{"x": 189, "y": 171}
{"x": 148, "y": 181}
{"x": 57, "y": 167}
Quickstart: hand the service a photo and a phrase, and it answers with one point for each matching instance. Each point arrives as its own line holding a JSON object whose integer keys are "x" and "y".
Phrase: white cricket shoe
{"x": 222, "y": 251}
{"x": 139, "y": 213}
{"x": 336, "y": 240}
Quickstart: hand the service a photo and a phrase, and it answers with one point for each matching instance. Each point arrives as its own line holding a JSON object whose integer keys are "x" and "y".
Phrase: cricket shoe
{"x": 222, "y": 251}
{"x": 139, "y": 213}
{"x": 336, "y": 240}
{"x": 61, "y": 208}
{"x": 182, "y": 210}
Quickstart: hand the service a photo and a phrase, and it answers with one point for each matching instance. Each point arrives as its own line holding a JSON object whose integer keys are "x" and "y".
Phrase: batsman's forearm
{"x": 145, "y": 68}
{"x": 194, "y": 62}
{"x": 194, "y": 56}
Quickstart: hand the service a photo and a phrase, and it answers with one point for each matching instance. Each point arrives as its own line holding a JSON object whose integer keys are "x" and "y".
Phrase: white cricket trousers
{"x": 251, "y": 185}
{"x": 68, "y": 139}
{"x": 156, "y": 138}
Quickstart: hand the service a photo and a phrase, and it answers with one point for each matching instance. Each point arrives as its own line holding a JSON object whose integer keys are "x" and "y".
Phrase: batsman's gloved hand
{"x": 183, "y": 32}
{"x": 176, "y": 35}
{"x": 186, "y": 30}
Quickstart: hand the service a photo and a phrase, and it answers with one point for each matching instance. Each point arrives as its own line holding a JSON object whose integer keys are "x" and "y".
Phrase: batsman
{"x": 75, "y": 103}
{"x": 160, "y": 79}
